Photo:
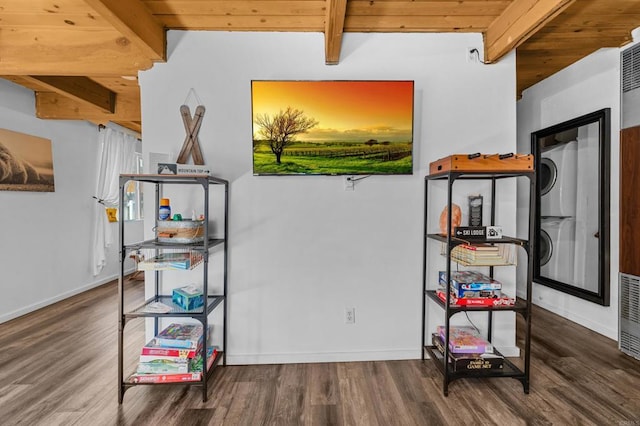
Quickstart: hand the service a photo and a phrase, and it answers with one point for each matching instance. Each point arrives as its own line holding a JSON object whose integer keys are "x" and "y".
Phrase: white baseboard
{"x": 41, "y": 304}
{"x": 578, "y": 319}
{"x": 585, "y": 322}
{"x": 304, "y": 358}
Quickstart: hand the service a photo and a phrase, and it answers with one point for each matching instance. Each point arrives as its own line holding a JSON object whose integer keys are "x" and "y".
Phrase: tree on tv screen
{"x": 281, "y": 128}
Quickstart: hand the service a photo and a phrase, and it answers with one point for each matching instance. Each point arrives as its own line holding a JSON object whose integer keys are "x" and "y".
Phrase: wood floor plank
{"x": 323, "y": 384}
{"x": 292, "y": 395}
{"x": 356, "y": 407}
{"x": 245, "y": 408}
{"x": 323, "y": 415}
{"x": 417, "y": 401}
{"x": 58, "y": 367}
{"x": 61, "y": 419}
{"x": 387, "y": 401}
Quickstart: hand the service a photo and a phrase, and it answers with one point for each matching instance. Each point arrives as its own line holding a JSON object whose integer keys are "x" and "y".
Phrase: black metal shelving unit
{"x": 521, "y": 307}
{"x": 215, "y": 301}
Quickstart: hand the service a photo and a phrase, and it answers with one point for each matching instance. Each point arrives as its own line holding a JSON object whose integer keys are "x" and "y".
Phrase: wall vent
{"x": 629, "y": 321}
{"x": 631, "y": 68}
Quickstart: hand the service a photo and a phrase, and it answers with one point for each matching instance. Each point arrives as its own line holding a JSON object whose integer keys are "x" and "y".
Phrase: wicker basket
{"x": 181, "y": 232}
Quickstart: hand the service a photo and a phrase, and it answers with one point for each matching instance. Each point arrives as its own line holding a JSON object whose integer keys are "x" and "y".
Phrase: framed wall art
{"x": 26, "y": 162}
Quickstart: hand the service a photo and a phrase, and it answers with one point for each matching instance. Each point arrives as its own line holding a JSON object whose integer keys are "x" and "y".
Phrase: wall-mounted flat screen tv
{"x": 332, "y": 127}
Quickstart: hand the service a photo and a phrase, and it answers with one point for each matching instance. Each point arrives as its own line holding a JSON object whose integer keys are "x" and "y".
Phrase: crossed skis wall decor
{"x": 191, "y": 143}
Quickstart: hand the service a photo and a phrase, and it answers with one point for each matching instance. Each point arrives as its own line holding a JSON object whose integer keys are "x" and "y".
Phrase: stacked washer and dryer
{"x": 569, "y": 198}
{"x": 558, "y": 192}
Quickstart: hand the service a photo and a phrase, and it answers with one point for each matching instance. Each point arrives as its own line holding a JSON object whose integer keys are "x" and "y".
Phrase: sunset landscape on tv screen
{"x": 332, "y": 127}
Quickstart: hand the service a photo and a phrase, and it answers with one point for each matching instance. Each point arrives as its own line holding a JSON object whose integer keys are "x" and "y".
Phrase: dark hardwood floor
{"x": 58, "y": 366}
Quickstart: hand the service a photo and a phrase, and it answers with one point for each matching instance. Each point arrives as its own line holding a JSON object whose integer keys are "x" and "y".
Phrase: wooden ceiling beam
{"x": 81, "y": 89}
{"x": 133, "y": 20}
{"x": 333, "y": 29}
{"x": 51, "y": 105}
{"x": 517, "y": 23}
{"x": 71, "y": 52}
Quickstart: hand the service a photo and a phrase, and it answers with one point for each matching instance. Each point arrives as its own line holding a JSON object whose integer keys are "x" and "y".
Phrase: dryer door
{"x": 548, "y": 175}
{"x": 558, "y": 181}
{"x": 546, "y": 247}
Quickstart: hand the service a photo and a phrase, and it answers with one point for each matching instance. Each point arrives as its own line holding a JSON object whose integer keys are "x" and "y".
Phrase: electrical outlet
{"x": 350, "y": 315}
{"x": 349, "y": 183}
{"x": 473, "y": 55}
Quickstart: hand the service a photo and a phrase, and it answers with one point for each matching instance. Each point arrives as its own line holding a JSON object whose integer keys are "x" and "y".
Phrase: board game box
{"x": 464, "y": 339}
{"x": 180, "y": 336}
{"x": 471, "y": 284}
{"x": 470, "y": 362}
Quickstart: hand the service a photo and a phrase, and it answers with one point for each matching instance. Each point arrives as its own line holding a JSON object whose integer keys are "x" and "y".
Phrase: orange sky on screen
{"x": 340, "y": 105}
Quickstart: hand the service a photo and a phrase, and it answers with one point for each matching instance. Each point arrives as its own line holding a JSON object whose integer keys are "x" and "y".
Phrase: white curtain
{"x": 117, "y": 155}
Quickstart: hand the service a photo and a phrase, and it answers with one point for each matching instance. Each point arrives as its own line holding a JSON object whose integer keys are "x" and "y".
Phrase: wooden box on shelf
{"x": 482, "y": 163}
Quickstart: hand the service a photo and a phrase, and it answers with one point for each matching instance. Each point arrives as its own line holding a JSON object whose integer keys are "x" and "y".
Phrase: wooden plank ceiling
{"x": 81, "y": 57}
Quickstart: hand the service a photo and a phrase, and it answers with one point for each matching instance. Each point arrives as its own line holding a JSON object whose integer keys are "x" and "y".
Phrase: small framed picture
{"x": 475, "y": 210}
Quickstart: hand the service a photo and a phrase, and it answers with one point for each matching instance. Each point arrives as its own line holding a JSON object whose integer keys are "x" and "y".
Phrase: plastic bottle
{"x": 164, "y": 211}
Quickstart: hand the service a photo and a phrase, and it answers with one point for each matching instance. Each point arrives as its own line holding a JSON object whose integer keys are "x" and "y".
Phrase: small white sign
{"x": 182, "y": 169}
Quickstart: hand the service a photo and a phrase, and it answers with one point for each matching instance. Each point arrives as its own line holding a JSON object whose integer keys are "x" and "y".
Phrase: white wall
{"x": 586, "y": 86}
{"x": 303, "y": 249}
{"x": 45, "y": 240}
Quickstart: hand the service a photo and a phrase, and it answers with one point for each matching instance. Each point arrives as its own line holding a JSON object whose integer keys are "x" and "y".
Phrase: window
{"x": 133, "y": 200}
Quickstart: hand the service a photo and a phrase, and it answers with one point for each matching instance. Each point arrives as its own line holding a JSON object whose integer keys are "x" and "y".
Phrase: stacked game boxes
{"x": 173, "y": 356}
{"x": 472, "y": 288}
{"x": 468, "y": 351}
